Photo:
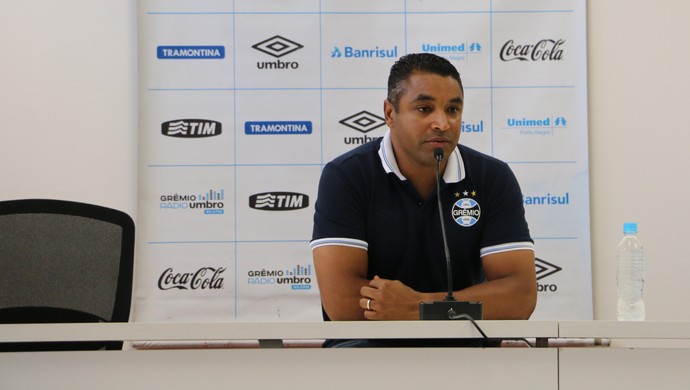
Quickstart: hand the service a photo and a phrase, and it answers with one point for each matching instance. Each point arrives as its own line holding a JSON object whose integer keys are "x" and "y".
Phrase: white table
{"x": 648, "y": 367}
{"x": 264, "y": 366}
{"x": 281, "y": 368}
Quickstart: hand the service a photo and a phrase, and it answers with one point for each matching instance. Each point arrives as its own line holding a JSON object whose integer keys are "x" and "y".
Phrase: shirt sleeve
{"x": 506, "y": 228}
{"x": 340, "y": 210}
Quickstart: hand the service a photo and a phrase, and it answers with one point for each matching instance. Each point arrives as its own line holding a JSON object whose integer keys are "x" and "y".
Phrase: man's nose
{"x": 441, "y": 122}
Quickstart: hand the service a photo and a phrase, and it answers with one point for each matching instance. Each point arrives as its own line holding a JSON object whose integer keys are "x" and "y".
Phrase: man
{"x": 377, "y": 243}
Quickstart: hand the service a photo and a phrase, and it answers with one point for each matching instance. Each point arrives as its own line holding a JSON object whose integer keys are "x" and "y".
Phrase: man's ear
{"x": 388, "y": 111}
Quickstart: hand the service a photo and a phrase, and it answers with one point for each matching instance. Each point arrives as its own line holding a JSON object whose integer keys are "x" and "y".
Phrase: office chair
{"x": 63, "y": 261}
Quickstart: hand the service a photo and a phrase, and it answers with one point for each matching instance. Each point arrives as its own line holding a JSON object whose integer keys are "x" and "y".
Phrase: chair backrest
{"x": 63, "y": 261}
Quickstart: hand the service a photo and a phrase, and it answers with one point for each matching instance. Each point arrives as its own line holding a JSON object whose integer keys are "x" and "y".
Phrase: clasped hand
{"x": 385, "y": 299}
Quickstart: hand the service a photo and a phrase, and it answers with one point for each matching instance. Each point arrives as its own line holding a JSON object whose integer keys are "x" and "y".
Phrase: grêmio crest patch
{"x": 466, "y": 212}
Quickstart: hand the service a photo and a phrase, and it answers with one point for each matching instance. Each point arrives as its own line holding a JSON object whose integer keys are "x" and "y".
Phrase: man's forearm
{"x": 502, "y": 299}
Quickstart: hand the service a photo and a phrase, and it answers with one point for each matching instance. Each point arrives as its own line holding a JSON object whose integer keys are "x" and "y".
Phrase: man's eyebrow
{"x": 425, "y": 98}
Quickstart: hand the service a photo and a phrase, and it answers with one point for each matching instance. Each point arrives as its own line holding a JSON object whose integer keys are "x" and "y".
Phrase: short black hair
{"x": 417, "y": 62}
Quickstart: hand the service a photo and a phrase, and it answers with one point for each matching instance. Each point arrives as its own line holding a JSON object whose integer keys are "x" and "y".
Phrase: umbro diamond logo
{"x": 363, "y": 121}
{"x": 544, "y": 268}
{"x": 277, "y": 46}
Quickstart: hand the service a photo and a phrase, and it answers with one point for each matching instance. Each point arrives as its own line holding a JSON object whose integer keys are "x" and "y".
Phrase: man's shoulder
{"x": 362, "y": 155}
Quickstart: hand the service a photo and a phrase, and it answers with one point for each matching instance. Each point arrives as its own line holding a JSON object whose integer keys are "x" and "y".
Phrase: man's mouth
{"x": 437, "y": 141}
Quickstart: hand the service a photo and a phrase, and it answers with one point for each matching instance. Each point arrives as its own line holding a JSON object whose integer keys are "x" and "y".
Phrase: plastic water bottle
{"x": 630, "y": 278}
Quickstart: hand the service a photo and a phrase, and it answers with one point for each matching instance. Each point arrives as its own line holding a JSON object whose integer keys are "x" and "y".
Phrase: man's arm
{"x": 510, "y": 291}
{"x": 341, "y": 272}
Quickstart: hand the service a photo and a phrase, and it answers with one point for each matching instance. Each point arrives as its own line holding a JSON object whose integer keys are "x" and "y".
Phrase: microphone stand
{"x": 438, "y": 153}
{"x": 449, "y": 308}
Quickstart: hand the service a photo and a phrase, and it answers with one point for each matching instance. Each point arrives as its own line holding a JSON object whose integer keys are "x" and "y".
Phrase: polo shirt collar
{"x": 455, "y": 169}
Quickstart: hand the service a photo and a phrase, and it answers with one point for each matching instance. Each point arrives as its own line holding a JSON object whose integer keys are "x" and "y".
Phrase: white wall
{"x": 639, "y": 105}
{"x": 68, "y": 116}
{"x": 68, "y": 106}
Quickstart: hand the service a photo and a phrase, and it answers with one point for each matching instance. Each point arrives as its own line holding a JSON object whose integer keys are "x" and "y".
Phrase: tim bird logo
{"x": 191, "y": 128}
{"x": 279, "y": 201}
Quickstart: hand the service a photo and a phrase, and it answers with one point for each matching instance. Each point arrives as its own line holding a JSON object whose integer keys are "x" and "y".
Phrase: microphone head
{"x": 438, "y": 153}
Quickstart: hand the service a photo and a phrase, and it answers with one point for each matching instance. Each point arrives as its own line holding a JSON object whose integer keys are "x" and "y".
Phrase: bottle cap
{"x": 630, "y": 228}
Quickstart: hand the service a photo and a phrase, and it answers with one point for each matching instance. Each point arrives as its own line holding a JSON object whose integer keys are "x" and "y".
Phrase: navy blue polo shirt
{"x": 364, "y": 201}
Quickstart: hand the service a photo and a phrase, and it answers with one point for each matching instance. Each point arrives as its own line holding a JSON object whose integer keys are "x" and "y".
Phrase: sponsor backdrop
{"x": 242, "y": 103}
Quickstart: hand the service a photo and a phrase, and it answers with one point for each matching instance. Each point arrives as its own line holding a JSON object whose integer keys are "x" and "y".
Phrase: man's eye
{"x": 424, "y": 109}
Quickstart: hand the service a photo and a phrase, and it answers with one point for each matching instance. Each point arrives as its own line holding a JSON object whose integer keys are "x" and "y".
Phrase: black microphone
{"x": 438, "y": 153}
{"x": 449, "y": 308}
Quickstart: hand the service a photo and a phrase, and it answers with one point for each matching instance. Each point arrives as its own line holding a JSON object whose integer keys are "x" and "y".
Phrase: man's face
{"x": 429, "y": 116}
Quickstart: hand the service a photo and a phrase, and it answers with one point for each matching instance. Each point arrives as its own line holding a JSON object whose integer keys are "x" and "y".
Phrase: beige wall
{"x": 69, "y": 128}
{"x": 639, "y": 136}
{"x": 68, "y": 106}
